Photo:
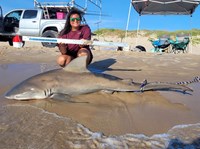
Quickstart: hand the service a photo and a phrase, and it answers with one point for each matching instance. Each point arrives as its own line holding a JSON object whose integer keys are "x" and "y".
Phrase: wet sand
{"x": 146, "y": 113}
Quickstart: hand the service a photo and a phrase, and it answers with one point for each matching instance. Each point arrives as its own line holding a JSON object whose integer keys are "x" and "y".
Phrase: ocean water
{"x": 32, "y": 126}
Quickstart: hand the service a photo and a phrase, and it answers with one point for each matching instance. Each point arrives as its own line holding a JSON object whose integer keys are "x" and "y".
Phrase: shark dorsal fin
{"x": 77, "y": 65}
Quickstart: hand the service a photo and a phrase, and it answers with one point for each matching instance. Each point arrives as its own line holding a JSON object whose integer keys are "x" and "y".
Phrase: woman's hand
{"x": 85, "y": 43}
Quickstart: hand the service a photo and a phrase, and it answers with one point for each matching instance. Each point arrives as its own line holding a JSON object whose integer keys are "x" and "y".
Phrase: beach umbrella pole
{"x": 138, "y": 28}
{"x": 128, "y": 20}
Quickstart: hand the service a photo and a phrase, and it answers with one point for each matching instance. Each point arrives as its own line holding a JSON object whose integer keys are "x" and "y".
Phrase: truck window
{"x": 14, "y": 14}
{"x": 11, "y": 21}
{"x": 30, "y": 14}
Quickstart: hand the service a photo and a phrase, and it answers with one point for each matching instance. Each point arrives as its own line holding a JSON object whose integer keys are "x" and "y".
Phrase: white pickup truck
{"x": 29, "y": 22}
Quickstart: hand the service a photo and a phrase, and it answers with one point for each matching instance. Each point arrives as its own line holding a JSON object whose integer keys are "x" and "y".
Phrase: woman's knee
{"x": 83, "y": 52}
{"x": 61, "y": 60}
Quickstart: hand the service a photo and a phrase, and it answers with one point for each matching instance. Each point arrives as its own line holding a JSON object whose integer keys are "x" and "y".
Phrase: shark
{"x": 76, "y": 79}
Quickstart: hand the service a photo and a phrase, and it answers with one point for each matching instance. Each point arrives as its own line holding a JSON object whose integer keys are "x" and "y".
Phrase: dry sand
{"x": 147, "y": 113}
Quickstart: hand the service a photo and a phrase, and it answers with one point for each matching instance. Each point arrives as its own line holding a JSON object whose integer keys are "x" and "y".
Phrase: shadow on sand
{"x": 103, "y": 65}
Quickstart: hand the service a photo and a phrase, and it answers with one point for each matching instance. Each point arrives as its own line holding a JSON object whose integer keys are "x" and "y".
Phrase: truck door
{"x": 30, "y": 23}
{"x": 11, "y": 21}
{"x": 1, "y": 20}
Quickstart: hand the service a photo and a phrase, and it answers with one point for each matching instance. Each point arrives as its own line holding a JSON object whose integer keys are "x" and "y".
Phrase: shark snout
{"x": 8, "y": 97}
{"x": 26, "y": 94}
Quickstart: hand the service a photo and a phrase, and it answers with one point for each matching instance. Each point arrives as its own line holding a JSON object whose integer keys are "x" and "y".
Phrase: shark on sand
{"x": 76, "y": 79}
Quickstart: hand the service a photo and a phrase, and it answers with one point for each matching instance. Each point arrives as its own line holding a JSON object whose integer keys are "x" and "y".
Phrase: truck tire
{"x": 10, "y": 42}
{"x": 49, "y": 34}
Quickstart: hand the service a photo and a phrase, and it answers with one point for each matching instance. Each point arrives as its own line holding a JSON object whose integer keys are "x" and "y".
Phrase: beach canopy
{"x": 165, "y": 7}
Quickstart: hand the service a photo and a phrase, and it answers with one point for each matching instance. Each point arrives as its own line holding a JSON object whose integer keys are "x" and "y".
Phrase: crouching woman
{"x": 74, "y": 30}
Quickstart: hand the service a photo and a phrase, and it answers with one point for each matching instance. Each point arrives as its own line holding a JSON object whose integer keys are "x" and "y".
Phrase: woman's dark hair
{"x": 67, "y": 27}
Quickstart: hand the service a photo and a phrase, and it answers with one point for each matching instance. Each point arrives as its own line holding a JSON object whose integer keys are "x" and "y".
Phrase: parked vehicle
{"x": 29, "y": 22}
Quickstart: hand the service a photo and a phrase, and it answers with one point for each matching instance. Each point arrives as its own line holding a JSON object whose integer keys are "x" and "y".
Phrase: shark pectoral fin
{"x": 64, "y": 98}
{"x": 61, "y": 97}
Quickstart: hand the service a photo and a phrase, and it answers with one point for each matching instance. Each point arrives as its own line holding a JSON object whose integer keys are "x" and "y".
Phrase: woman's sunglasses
{"x": 73, "y": 19}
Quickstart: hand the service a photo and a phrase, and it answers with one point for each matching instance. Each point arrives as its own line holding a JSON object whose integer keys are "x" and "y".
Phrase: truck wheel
{"x": 11, "y": 43}
{"x": 49, "y": 34}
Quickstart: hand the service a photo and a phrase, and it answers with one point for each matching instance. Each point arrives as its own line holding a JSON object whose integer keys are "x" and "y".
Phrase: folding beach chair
{"x": 180, "y": 44}
{"x": 161, "y": 45}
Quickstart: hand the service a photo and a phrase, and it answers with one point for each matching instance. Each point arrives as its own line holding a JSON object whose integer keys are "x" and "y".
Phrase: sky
{"x": 115, "y": 15}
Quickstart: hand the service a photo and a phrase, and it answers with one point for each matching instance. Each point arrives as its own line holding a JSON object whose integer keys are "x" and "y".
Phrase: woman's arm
{"x": 62, "y": 46}
{"x": 86, "y": 32}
